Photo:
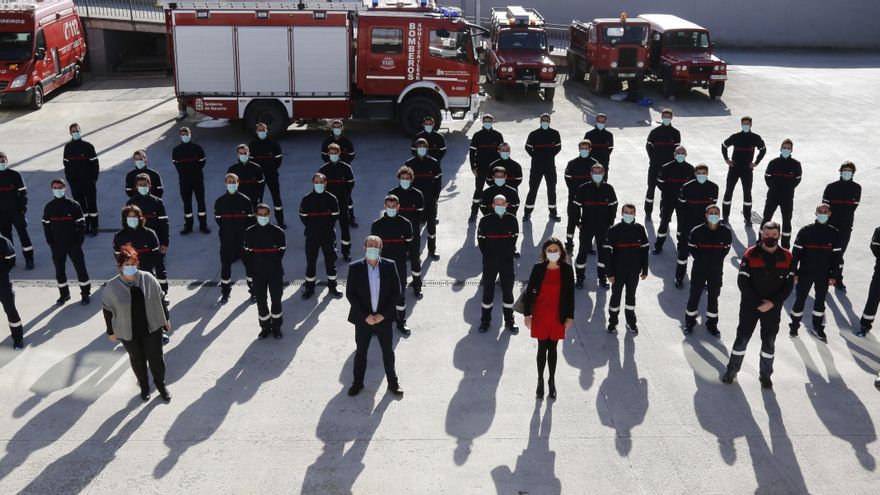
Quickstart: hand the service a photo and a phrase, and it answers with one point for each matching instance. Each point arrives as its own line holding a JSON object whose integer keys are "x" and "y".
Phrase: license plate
{"x": 626, "y": 74}
{"x": 528, "y": 78}
{"x": 718, "y": 78}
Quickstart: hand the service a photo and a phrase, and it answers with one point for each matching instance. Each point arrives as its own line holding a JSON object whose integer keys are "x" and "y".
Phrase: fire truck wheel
{"x": 574, "y": 70}
{"x": 499, "y": 92}
{"x": 37, "y": 98}
{"x": 597, "y": 82}
{"x": 670, "y": 87}
{"x": 270, "y": 113}
{"x": 549, "y": 93}
{"x": 716, "y": 90}
{"x": 413, "y": 110}
{"x": 77, "y": 77}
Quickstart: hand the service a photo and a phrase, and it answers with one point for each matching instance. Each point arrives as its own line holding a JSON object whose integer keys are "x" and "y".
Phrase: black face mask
{"x": 770, "y": 241}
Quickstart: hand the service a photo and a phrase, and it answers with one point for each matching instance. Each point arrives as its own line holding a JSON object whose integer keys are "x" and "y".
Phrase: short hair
{"x": 319, "y": 175}
{"x": 499, "y": 196}
{"x": 488, "y": 116}
{"x": 261, "y": 124}
{"x": 421, "y": 141}
{"x": 585, "y": 142}
{"x": 336, "y": 122}
{"x": 545, "y": 114}
{"x": 142, "y": 153}
{"x": 666, "y": 110}
{"x": 2, "y": 154}
{"x": 680, "y": 147}
{"x": 745, "y": 118}
{"x": 405, "y": 170}
{"x": 823, "y": 205}
{"x": 427, "y": 118}
{"x": 143, "y": 177}
{"x": 701, "y": 166}
{"x": 601, "y": 115}
{"x": 392, "y": 197}
{"x": 230, "y": 174}
{"x": 242, "y": 147}
{"x": 628, "y": 205}
{"x": 599, "y": 166}
{"x": 713, "y": 207}
{"x": 503, "y": 144}
{"x": 58, "y": 180}
{"x": 499, "y": 169}
{"x": 184, "y": 129}
{"x": 788, "y": 142}
{"x": 71, "y": 126}
{"x": 334, "y": 147}
{"x": 126, "y": 210}
{"x": 373, "y": 238}
{"x": 771, "y": 225}
{"x": 847, "y": 164}
{"x": 262, "y": 206}
{"x": 127, "y": 253}
{"x": 552, "y": 241}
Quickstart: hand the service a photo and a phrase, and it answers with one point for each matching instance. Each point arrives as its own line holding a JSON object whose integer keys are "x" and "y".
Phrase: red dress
{"x": 545, "y": 311}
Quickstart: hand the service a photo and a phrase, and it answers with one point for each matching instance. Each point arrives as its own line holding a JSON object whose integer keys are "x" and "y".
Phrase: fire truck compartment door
{"x": 320, "y": 61}
{"x": 205, "y": 59}
{"x": 263, "y": 61}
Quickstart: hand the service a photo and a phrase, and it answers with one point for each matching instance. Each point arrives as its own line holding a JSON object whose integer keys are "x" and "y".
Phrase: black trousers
{"x": 845, "y": 236}
{"x": 711, "y": 282}
{"x": 273, "y": 183}
{"x": 744, "y": 176}
{"x": 363, "y": 334}
{"x": 400, "y": 264}
{"x": 653, "y": 170}
{"x": 155, "y": 264}
{"x": 494, "y": 269}
{"x": 572, "y": 214}
{"x": 479, "y": 184}
{"x": 271, "y": 282}
{"x": 429, "y": 214}
{"x": 229, "y": 254}
{"x": 749, "y": 317}
{"x": 85, "y": 192}
{"x": 190, "y": 186}
{"x": 585, "y": 241}
{"x": 667, "y": 208}
{"x": 60, "y": 253}
{"x": 325, "y": 246}
{"x": 630, "y": 282}
{"x": 17, "y": 220}
{"x": 345, "y": 216}
{"x": 143, "y": 351}
{"x": 786, "y": 206}
{"x": 870, "y": 312}
{"x": 547, "y": 173}
{"x": 7, "y": 298}
{"x": 802, "y": 290}
{"x": 682, "y": 234}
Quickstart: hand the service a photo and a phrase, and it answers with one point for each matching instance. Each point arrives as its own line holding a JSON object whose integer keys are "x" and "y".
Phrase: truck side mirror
{"x": 551, "y": 48}
{"x": 40, "y": 54}
{"x": 481, "y": 50}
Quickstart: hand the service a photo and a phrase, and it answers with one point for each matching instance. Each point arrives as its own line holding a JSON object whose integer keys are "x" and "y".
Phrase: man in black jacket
{"x": 602, "y": 141}
{"x": 543, "y": 144}
{"x": 7, "y": 293}
{"x": 497, "y": 234}
{"x": 144, "y": 241}
{"x": 626, "y": 262}
{"x": 782, "y": 176}
{"x": 234, "y": 214}
{"x": 499, "y": 186}
{"x": 670, "y": 179}
{"x": 740, "y": 166}
{"x": 693, "y": 199}
{"x": 843, "y": 196}
{"x": 483, "y": 152}
{"x": 81, "y": 170}
{"x": 155, "y": 218}
{"x": 13, "y": 207}
{"x": 401, "y": 247}
{"x": 436, "y": 141}
{"x": 411, "y": 201}
{"x": 708, "y": 244}
{"x": 578, "y": 172}
{"x": 372, "y": 291}
{"x": 870, "y": 312}
{"x": 65, "y": 227}
{"x": 596, "y": 203}
{"x": 340, "y": 183}
{"x": 346, "y": 155}
{"x": 765, "y": 280}
{"x": 189, "y": 160}
{"x": 428, "y": 179}
{"x": 267, "y": 153}
{"x": 141, "y": 167}
{"x": 264, "y": 248}
{"x": 251, "y": 181}
{"x": 661, "y": 144}
{"x": 319, "y": 211}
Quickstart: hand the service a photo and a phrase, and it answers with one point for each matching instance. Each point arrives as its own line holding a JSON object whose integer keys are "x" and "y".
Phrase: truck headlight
{"x": 677, "y": 67}
{"x": 717, "y": 67}
{"x": 613, "y": 65}
{"x": 684, "y": 67}
{"x": 640, "y": 64}
{"x": 18, "y": 81}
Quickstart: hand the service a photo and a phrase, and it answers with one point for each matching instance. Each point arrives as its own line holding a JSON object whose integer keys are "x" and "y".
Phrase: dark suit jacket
{"x": 566, "y": 290}
{"x": 357, "y": 291}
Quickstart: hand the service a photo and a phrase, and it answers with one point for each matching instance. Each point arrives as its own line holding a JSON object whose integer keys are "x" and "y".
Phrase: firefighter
{"x": 866, "y": 322}
{"x": 411, "y": 203}
{"x": 708, "y": 244}
{"x": 483, "y": 152}
{"x": 140, "y": 167}
{"x": 693, "y": 199}
{"x": 234, "y": 213}
{"x": 81, "y": 171}
{"x": 267, "y": 153}
{"x": 670, "y": 179}
{"x": 661, "y": 144}
{"x": 496, "y": 237}
{"x": 340, "y": 183}
{"x": 843, "y": 196}
{"x": 7, "y": 293}
{"x": 499, "y": 187}
{"x": 740, "y": 166}
{"x": 155, "y": 219}
{"x": 189, "y": 160}
{"x": 543, "y": 144}
{"x": 577, "y": 173}
{"x": 427, "y": 177}
{"x": 596, "y": 203}
{"x": 346, "y": 155}
{"x": 436, "y": 141}
{"x": 782, "y": 176}
{"x": 765, "y": 280}
{"x": 65, "y": 228}
{"x": 145, "y": 241}
{"x": 264, "y": 248}
{"x": 251, "y": 181}
{"x": 602, "y": 142}
{"x": 815, "y": 263}
{"x": 318, "y": 211}
{"x": 401, "y": 246}
{"x": 13, "y": 207}
{"x": 514, "y": 169}
{"x": 626, "y": 262}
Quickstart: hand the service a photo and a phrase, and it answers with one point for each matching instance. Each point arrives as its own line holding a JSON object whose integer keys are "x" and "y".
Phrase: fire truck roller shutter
{"x": 320, "y": 61}
{"x": 205, "y": 60}
{"x": 263, "y": 61}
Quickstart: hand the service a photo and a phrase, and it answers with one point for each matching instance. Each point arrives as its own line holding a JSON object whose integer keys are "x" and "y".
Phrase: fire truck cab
{"x": 610, "y": 51}
{"x": 41, "y": 49}
{"x": 519, "y": 53}
{"x": 278, "y": 62}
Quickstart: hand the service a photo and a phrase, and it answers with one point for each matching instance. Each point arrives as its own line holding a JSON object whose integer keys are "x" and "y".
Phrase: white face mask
{"x": 554, "y": 257}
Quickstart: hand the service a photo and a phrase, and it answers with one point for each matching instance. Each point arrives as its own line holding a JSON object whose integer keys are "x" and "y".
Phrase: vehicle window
{"x": 16, "y": 46}
{"x": 386, "y": 40}
{"x": 41, "y": 39}
{"x": 449, "y": 45}
{"x": 625, "y": 35}
{"x": 522, "y": 40}
{"x": 687, "y": 39}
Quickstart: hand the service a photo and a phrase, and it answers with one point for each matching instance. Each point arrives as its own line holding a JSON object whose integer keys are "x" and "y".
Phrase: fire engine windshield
{"x": 625, "y": 35}
{"x": 678, "y": 40}
{"x": 450, "y": 45}
{"x": 16, "y": 46}
{"x": 522, "y": 40}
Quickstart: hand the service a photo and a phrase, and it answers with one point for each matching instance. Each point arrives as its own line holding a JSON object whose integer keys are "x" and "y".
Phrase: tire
{"x": 500, "y": 92}
{"x": 670, "y": 87}
{"x": 574, "y": 70}
{"x": 77, "y": 77}
{"x": 268, "y": 112}
{"x": 716, "y": 90}
{"x": 37, "y": 98}
{"x": 549, "y": 93}
{"x": 597, "y": 82}
{"x": 413, "y": 110}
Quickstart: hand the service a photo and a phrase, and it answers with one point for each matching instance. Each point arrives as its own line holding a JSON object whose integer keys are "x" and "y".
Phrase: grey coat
{"x": 117, "y": 301}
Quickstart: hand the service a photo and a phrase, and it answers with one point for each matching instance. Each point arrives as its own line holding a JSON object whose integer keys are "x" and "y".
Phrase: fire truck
{"x": 278, "y": 62}
{"x": 610, "y": 50}
{"x": 519, "y": 54}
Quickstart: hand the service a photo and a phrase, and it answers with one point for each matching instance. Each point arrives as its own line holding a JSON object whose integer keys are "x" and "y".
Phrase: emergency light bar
{"x": 517, "y": 15}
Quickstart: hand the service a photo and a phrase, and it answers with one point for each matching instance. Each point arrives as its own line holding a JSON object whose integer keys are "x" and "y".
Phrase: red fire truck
{"x": 519, "y": 54}
{"x": 278, "y": 62}
{"x": 610, "y": 51}
{"x": 41, "y": 49}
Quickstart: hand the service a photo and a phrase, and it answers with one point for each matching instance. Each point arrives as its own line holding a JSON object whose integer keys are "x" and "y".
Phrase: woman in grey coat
{"x": 135, "y": 315}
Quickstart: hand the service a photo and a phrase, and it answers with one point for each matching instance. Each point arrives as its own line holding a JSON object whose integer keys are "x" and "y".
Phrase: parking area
{"x": 644, "y": 414}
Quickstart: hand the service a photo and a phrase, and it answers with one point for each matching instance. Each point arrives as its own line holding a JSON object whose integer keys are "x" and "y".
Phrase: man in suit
{"x": 373, "y": 289}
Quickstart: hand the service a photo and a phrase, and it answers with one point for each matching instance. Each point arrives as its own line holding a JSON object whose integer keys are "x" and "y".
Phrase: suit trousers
{"x": 363, "y": 334}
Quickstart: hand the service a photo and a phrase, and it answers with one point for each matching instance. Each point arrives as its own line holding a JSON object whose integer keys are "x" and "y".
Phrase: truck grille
{"x": 527, "y": 73}
{"x": 702, "y": 70}
{"x": 4, "y": 85}
{"x": 626, "y": 58}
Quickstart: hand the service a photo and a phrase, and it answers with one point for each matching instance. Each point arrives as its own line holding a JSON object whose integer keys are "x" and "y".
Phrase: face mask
{"x": 554, "y": 257}
{"x": 429, "y": 129}
{"x": 185, "y": 138}
{"x": 702, "y": 179}
{"x": 143, "y": 190}
{"x": 713, "y": 219}
{"x": 421, "y": 151}
{"x": 821, "y": 217}
{"x": 505, "y": 155}
{"x": 500, "y": 210}
{"x": 319, "y": 188}
{"x": 545, "y": 125}
{"x": 487, "y": 125}
{"x": 372, "y": 253}
{"x": 597, "y": 178}
{"x": 391, "y": 212}
{"x": 627, "y": 218}
{"x": 600, "y": 126}
{"x": 847, "y": 175}
{"x": 785, "y": 152}
{"x": 129, "y": 270}
{"x": 58, "y": 193}
{"x": 770, "y": 241}
{"x": 405, "y": 183}
{"x": 666, "y": 121}
{"x": 334, "y": 158}
{"x": 75, "y": 136}
{"x": 3, "y": 166}
{"x": 243, "y": 158}
{"x": 500, "y": 182}
{"x": 746, "y": 128}
{"x": 337, "y": 132}
{"x": 132, "y": 222}
{"x": 680, "y": 158}
{"x": 232, "y": 188}
{"x": 261, "y": 134}
{"x": 140, "y": 164}
{"x": 263, "y": 221}
{"x": 585, "y": 153}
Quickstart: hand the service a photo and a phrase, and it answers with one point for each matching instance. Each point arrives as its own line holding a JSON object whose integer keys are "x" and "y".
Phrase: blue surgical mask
{"x": 232, "y": 188}
{"x": 666, "y": 121}
{"x": 505, "y": 155}
{"x": 3, "y": 166}
{"x": 487, "y": 125}
{"x": 584, "y": 153}
{"x": 499, "y": 182}
{"x": 58, "y": 193}
{"x": 702, "y": 178}
{"x": 429, "y": 129}
{"x": 185, "y": 138}
{"x": 821, "y": 217}
{"x": 143, "y": 190}
{"x": 545, "y": 125}
{"x": 405, "y": 183}
{"x": 627, "y": 218}
{"x": 391, "y": 212}
{"x": 746, "y": 128}
{"x": 421, "y": 151}
{"x": 713, "y": 219}
{"x": 129, "y": 270}
{"x": 785, "y": 152}
{"x": 132, "y": 222}
{"x": 319, "y": 188}
{"x": 500, "y": 210}
{"x": 372, "y": 253}
{"x": 243, "y": 158}
{"x": 846, "y": 175}
{"x": 262, "y": 220}
{"x": 597, "y": 178}
{"x": 600, "y": 126}
{"x": 337, "y": 132}
{"x": 261, "y": 134}
{"x": 75, "y": 136}
{"x": 333, "y": 158}
{"x": 139, "y": 164}
{"x": 680, "y": 158}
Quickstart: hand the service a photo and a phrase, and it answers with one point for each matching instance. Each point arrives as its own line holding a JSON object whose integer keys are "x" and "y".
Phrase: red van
{"x": 41, "y": 48}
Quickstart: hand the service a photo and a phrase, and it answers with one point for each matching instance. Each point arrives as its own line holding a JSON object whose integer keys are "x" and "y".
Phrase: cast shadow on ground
{"x": 534, "y": 471}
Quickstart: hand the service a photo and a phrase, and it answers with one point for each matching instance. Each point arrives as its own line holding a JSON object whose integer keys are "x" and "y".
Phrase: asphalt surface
{"x": 643, "y": 414}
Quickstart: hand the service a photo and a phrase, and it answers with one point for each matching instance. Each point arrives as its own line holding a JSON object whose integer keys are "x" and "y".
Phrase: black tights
{"x": 547, "y": 354}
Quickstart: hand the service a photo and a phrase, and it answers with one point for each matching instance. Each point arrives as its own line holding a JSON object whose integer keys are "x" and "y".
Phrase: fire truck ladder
{"x": 328, "y": 5}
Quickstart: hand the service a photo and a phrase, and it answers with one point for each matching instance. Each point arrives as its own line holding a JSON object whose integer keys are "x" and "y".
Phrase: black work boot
{"x": 29, "y": 258}
{"x": 485, "y": 320}
{"x": 794, "y": 326}
{"x": 818, "y": 329}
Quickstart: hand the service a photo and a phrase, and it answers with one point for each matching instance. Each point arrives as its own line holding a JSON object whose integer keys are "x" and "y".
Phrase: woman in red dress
{"x": 549, "y": 308}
